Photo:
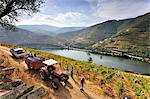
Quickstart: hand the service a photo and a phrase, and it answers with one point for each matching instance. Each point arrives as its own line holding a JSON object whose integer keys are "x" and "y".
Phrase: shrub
{"x": 121, "y": 88}
{"x": 110, "y": 76}
{"x": 103, "y": 72}
{"x": 138, "y": 91}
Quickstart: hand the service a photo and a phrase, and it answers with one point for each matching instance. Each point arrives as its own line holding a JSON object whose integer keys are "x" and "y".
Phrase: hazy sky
{"x": 85, "y": 12}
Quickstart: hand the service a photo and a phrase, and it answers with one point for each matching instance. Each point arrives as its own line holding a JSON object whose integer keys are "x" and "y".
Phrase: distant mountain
{"x": 68, "y": 29}
{"x": 132, "y": 29}
{"x": 40, "y": 29}
{"x": 48, "y": 30}
{"x": 127, "y": 34}
{"x": 21, "y": 36}
{"x": 90, "y": 35}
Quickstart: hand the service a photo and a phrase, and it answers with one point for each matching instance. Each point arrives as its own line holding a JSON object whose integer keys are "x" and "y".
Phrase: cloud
{"x": 121, "y": 9}
{"x": 72, "y": 18}
{"x": 62, "y": 19}
{"x": 89, "y": 12}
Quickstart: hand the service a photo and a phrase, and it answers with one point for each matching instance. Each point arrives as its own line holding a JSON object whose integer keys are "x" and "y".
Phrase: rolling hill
{"x": 133, "y": 36}
{"x": 21, "y": 36}
{"x": 40, "y": 29}
{"x": 134, "y": 31}
{"x": 48, "y": 30}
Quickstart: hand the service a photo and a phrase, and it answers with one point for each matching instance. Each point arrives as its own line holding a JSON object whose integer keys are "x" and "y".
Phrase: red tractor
{"x": 48, "y": 69}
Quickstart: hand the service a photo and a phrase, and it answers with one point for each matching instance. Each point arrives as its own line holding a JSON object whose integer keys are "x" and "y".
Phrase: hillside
{"x": 69, "y": 91}
{"x": 127, "y": 28}
{"x": 91, "y": 34}
{"x": 21, "y": 36}
{"x": 101, "y": 82}
{"x": 133, "y": 36}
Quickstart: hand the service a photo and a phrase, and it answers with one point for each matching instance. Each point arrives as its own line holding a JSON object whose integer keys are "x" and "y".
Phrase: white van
{"x": 18, "y": 52}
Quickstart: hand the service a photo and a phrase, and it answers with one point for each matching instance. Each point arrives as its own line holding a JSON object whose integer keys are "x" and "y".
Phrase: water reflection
{"x": 101, "y": 57}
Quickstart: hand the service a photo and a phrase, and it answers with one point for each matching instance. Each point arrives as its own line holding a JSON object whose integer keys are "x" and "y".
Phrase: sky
{"x": 66, "y": 13}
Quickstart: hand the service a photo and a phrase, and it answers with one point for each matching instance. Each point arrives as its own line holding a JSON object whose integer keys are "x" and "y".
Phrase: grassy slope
{"x": 112, "y": 82}
{"x": 132, "y": 37}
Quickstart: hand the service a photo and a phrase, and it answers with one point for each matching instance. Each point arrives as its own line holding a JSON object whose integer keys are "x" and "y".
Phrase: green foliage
{"x": 139, "y": 84}
{"x": 103, "y": 72}
{"x": 11, "y": 9}
{"x": 121, "y": 88}
{"x": 110, "y": 76}
{"x": 7, "y": 45}
{"x": 138, "y": 91}
{"x": 139, "y": 51}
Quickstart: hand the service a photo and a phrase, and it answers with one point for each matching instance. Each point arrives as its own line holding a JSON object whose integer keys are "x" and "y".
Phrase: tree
{"x": 11, "y": 9}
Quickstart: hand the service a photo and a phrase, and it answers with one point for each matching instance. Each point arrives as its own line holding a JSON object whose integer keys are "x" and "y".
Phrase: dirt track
{"x": 70, "y": 91}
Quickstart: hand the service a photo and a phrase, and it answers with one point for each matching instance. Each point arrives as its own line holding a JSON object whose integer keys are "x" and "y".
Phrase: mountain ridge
{"x": 108, "y": 29}
{"x": 48, "y": 29}
{"x": 21, "y": 36}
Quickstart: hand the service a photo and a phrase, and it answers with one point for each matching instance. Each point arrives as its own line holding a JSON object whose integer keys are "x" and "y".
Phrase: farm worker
{"x": 32, "y": 55}
{"x": 71, "y": 71}
{"x": 67, "y": 69}
{"x": 29, "y": 54}
{"x": 82, "y": 81}
{"x": 35, "y": 55}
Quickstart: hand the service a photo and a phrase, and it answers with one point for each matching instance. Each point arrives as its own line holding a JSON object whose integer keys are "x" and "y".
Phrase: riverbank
{"x": 123, "y": 55}
{"x": 113, "y": 53}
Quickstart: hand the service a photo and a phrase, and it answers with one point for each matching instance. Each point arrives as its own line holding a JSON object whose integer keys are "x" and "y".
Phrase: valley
{"x": 74, "y": 49}
{"x": 109, "y": 36}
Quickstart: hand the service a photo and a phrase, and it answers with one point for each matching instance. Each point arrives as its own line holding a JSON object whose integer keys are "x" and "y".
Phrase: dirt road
{"x": 70, "y": 91}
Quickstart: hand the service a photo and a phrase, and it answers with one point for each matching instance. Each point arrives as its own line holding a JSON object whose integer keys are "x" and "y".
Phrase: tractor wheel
{"x": 13, "y": 55}
{"x": 29, "y": 67}
{"x": 64, "y": 78}
{"x": 42, "y": 75}
{"x": 51, "y": 77}
{"x": 55, "y": 84}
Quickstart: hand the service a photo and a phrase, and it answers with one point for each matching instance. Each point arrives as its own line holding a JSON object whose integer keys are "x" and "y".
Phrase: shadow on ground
{"x": 61, "y": 93}
{"x": 84, "y": 93}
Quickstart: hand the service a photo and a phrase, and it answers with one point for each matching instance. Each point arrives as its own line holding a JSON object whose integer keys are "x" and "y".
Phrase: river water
{"x": 108, "y": 61}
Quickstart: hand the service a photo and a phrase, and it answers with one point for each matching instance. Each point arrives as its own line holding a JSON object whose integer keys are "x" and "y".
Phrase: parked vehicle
{"x": 18, "y": 52}
{"x": 48, "y": 69}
